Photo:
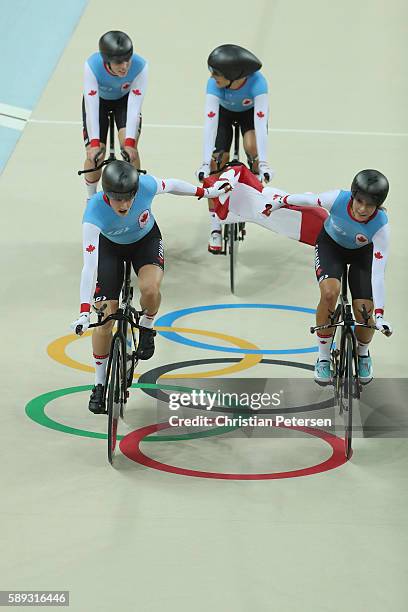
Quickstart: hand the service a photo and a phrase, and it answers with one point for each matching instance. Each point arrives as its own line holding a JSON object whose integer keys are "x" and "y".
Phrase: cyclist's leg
{"x": 329, "y": 263}
{"x": 249, "y": 138}
{"x": 220, "y": 157}
{"x": 148, "y": 262}
{"x": 361, "y": 291}
{"x": 92, "y": 178}
{"x": 107, "y": 290}
{"x": 120, "y": 120}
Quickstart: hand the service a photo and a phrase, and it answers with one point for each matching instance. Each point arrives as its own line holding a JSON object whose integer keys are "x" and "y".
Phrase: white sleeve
{"x": 381, "y": 240}
{"x": 91, "y": 97}
{"x": 212, "y": 111}
{"x": 136, "y": 95}
{"x": 325, "y": 199}
{"x": 175, "y": 186}
{"x": 261, "y": 111}
{"x": 90, "y": 242}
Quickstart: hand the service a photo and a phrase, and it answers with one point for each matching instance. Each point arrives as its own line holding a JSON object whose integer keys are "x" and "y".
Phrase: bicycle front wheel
{"x": 233, "y": 243}
{"x": 115, "y": 395}
{"x": 347, "y": 396}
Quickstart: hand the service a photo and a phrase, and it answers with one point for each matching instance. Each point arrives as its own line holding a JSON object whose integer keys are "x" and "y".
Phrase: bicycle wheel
{"x": 233, "y": 243}
{"x": 115, "y": 395}
{"x": 347, "y": 395}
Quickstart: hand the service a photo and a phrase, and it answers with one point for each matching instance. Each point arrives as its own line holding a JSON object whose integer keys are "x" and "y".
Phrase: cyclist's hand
{"x": 215, "y": 192}
{"x": 93, "y": 152}
{"x": 382, "y": 325}
{"x": 265, "y": 172}
{"x": 203, "y": 172}
{"x": 131, "y": 152}
{"x": 81, "y": 324}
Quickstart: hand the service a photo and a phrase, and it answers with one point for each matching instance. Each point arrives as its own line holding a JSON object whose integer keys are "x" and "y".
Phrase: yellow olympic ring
{"x": 56, "y": 350}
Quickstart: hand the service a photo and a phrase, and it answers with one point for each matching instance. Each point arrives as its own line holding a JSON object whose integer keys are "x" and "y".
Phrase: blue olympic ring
{"x": 168, "y": 319}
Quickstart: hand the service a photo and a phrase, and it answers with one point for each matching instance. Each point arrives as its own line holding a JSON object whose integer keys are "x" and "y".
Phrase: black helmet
{"x": 370, "y": 185}
{"x": 233, "y": 62}
{"x": 116, "y": 47}
{"x": 120, "y": 180}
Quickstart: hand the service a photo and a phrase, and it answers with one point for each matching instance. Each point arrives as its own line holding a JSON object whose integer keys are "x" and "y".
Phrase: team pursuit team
{"x": 346, "y": 226}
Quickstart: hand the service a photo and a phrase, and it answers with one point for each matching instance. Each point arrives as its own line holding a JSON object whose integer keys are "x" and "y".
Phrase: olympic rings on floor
{"x": 169, "y": 318}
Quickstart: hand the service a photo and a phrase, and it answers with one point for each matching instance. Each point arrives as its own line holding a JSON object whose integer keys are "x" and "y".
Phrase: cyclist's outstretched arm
{"x": 261, "y": 111}
{"x": 179, "y": 187}
{"x": 137, "y": 92}
{"x": 325, "y": 199}
{"x": 381, "y": 241}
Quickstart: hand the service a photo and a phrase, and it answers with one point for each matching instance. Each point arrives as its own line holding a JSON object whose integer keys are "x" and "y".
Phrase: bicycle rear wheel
{"x": 115, "y": 394}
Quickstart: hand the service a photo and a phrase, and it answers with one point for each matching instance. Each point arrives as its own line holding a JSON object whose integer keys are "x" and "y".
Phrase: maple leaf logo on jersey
{"x": 211, "y": 114}
{"x": 137, "y": 92}
{"x": 93, "y": 92}
{"x": 125, "y": 85}
{"x": 360, "y": 238}
{"x": 163, "y": 185}
{"x": 260, "y": 114}
{"x": 247, "y": 102}
{"x": 90, "y": 248}
{"x": 144, "y": 218}
{"x": 378, "y": 255}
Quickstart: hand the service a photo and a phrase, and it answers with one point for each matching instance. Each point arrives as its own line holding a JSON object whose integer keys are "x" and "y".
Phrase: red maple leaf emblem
{"x": 163, "y": 185}
{"x": 98, "y": 362}
{"x": 260, "y": 114}
{"x": 144, "y": 217}
{"x": 361, "y": 238}
{"x": 137, "y": 92}
{"x": 211, "y": 114}
{"x": 93, "y": 92}
{"x": 125, "y": 86}
{"x": 90, "y": 248}
{"x": 268, "y": 210}
{"x": 378, "y": 255}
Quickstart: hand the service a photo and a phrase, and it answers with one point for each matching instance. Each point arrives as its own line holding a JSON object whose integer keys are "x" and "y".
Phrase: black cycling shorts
{"x": 111, "y": 258}
{"x": 119, "y": 108}
{"x": 330, "y": 259}
{"x": 226, "y": 120}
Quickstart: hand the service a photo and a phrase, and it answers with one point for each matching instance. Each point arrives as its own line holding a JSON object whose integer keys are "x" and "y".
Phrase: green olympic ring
{"x": 35, "y": 410}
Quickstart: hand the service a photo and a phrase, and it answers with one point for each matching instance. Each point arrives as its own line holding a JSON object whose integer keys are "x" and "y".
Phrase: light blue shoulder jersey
{"x": 348, "y": 232}
{"x": 113, "y": 87}
{"x": 135, "y": 225}
{"x": 239, "y": 100}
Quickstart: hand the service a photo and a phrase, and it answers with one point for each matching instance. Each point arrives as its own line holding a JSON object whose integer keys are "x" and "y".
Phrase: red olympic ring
{"x": 130, "y": 447}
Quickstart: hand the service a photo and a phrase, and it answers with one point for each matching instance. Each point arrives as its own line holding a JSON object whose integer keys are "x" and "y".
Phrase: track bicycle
{"x": 122, "y": 359}
{"x": 344, "y": 359}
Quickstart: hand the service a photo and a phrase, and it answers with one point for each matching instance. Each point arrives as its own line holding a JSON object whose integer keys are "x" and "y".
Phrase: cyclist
{"x": 236, "y": 92}
{"x": 118, "y": 224}
{"x": 115, "y": 80}
{"x": 356, "y": 233}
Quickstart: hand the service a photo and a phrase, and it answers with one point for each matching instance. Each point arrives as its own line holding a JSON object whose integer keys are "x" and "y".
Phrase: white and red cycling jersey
{"x": 250, "y": 201}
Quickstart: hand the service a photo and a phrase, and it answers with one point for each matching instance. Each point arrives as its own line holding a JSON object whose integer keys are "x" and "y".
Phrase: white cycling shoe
{"x": 215, "y": 242}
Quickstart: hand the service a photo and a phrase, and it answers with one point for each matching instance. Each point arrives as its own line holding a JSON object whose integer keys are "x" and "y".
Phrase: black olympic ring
{"x": 151, "y": 377}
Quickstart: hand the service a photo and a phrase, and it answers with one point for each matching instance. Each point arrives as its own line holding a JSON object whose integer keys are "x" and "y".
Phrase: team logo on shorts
{"x": 247, "y": 101}
{"x": 361, "y": 239}
{"x": 144, "y": 218}
{"x": 125, "y": 86}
